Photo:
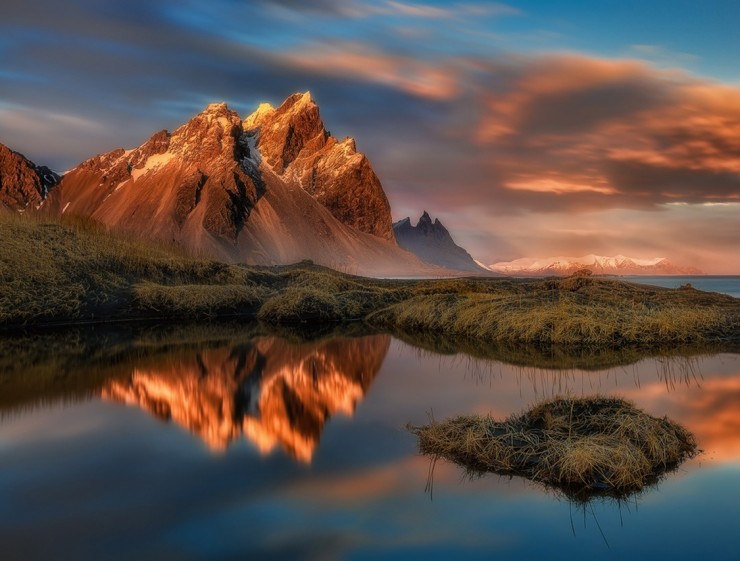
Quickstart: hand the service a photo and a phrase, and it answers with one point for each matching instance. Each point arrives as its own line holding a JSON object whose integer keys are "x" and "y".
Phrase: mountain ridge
{"x": 597, "y": 264}
{"x": 23, "y": 184}
{"x": 431, "y": 241}
{"x": 272, "y": 188}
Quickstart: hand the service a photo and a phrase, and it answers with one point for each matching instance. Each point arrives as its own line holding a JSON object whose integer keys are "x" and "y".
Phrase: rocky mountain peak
{"x": 291, "y": 142}
{"x": 264, "y": 110}
{"x": 23, "y": 184}
{"x": 213, "y": 132}
{"x": 284, "y": 132}
{"x": 431, "y": 241}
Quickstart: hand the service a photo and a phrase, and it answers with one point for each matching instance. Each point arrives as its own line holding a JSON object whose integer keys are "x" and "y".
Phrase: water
{"x": 723, "y": 283}
{"x": 230, "y": 446}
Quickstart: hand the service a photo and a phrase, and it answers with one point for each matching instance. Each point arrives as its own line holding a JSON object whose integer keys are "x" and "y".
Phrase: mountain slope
{"x": 274, "y": 188}
{"x": 432, "y": 242}
{"x": 618, "y": 265}
{"x": 294, "y": 144}
{"x": 23, "y": 184}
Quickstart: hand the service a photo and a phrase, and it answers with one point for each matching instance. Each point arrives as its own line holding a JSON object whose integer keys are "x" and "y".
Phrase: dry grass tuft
{"x": 582, "y": 447}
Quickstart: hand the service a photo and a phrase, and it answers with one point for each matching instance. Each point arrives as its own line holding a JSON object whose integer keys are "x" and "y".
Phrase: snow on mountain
{"x": 598, "y": 264}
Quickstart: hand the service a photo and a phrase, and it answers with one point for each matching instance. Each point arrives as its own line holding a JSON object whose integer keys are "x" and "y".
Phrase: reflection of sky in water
{"x": 95, "y": 479}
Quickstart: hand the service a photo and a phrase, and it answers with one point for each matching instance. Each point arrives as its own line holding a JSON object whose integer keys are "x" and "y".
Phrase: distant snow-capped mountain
{"x": 598, "y": 264}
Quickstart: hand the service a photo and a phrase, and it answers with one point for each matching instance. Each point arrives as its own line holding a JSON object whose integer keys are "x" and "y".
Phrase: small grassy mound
{"x": 583, "y": 447}
{"x": 603, "y": 313}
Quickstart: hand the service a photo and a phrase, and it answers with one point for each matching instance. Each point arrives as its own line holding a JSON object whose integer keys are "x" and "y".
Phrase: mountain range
{"x": 274, "y": 188}
{"x": 618, "y": 265}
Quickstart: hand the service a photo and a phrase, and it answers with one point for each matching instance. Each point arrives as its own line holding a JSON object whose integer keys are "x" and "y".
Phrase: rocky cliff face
{"x": 295, "y": 146}
{"x": 23, "y": 184}
{"x": 273, "y": 393}
{"x": 432, "y": 242}
{"x": 187, "y": 186}
{"x": 274, "y": 188}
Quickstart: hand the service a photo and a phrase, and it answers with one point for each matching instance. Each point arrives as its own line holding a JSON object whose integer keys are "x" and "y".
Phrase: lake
{"x": 227, "y": 443}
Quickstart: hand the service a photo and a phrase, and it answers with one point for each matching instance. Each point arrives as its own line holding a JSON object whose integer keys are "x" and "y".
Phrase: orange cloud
{"x": 361, "y": 62}
{"x": 650, "y": 135}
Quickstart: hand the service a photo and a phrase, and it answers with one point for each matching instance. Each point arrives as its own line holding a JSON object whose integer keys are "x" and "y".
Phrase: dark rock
{"x": 23, "y": 184}
{"x": 432, "y": 242}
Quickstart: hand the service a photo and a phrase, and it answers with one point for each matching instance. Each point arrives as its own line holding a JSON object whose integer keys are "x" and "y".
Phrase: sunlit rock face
{"x": 295, "y": 146}
{"x": 274, "y": 393}
{"x": 274, "y": 188}
{"x": 186, "y": 187}
{"x": 23, "y": 184}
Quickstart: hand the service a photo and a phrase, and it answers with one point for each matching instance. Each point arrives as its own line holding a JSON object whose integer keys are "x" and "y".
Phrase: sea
{"x": 724, "y": 284}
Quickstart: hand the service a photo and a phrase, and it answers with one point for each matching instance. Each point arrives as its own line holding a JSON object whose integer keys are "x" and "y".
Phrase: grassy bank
{"x": 74, "y": 271}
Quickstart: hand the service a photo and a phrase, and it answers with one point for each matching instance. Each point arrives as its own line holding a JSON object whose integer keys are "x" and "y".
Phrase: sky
{"x": 529, "y": 128}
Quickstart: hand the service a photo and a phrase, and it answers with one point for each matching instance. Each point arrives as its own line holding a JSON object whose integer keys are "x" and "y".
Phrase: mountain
{"x": 23, "y": 184}
{"x": 433, "y": 243}
{"x": 274, "y": 188}
{"x": 619, "y": 265}
{"x": 270, "y": 391}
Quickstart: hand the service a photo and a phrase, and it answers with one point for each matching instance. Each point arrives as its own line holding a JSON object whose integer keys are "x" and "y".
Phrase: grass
{"x": 583, "y": 448}
{"x": 74, "y": 271}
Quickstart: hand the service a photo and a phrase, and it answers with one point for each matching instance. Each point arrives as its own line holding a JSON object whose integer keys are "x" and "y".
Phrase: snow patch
{"x": 251, "y": 162}
{"x": 152, "y": 162}
{"x": 597, "y": 262}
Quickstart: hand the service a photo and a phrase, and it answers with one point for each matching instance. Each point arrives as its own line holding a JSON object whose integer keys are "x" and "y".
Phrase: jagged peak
{"x": 425, "y": 219}
{"x": 218, "y": 110}
{"x": 218, "y": 107}
{"x": 296, "y": 100}
{"x": 299, "y": 104}
{"x": 253, "y": 120}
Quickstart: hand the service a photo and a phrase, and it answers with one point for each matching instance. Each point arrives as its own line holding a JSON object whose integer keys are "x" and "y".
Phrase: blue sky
{"x": 530, "y": 128}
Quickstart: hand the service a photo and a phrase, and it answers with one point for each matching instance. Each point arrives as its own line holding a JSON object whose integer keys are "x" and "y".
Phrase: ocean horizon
{"x": 724, "y": 284}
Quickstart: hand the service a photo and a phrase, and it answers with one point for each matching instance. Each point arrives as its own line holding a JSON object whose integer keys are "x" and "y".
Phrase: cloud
{"x": 331, "y": 8}
{"x": 637, "y": 135}
{"x": 391, "y": 8}
{"x": 359, "y": 61}
{"x": 520, "y": 142}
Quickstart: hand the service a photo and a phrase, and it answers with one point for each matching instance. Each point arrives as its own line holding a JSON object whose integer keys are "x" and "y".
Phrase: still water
{"x": 242, "y": 446}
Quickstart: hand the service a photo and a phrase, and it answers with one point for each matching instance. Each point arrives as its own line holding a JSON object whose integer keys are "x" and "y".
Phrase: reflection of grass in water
{"x": 557, "y": 357}
{"x": 583, "y": 448}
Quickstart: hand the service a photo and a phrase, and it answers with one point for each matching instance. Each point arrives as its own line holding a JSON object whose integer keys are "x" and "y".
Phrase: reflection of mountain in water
{"x": 271, "y": 391}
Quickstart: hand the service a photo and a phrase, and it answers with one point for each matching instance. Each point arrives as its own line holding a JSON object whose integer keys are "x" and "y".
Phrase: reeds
{"x": 583, "y": 447}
